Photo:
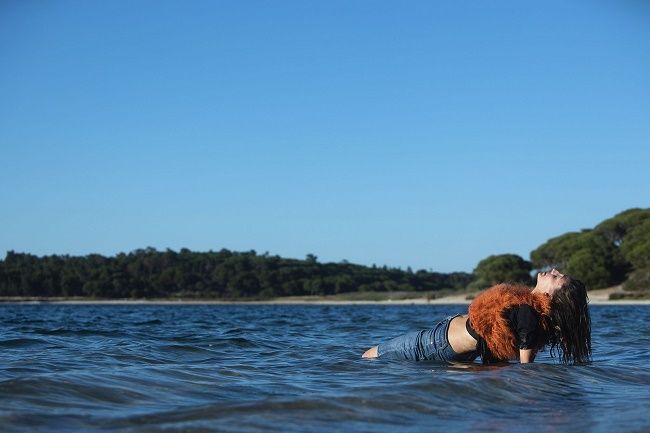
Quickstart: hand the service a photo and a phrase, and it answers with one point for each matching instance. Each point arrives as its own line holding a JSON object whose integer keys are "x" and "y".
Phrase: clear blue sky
{"x": 423, "y": 134}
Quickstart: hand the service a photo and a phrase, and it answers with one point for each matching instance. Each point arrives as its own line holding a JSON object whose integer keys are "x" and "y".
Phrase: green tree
{"x": 636, "y": 245}
{"x": 636, "y": 250}
{"x": 588, "y": 255}
{"x": 502, "y": 268}
{"x": 616, "y": 229}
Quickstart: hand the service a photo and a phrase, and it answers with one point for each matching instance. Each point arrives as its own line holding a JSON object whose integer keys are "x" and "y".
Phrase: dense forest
{"x": 616, "y": 251}
{"x": 222, "y": 275}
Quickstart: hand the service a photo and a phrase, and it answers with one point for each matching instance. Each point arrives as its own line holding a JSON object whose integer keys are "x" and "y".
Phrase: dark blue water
{"x": 253, "y": 368}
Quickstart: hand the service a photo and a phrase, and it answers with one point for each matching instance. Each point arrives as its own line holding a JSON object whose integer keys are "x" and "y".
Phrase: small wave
{"x": 226, "y": 342}
{"x": 149, "y": 322}
{"x": 305, "y": 408}
{"x": 183, "y": 348}
{"x": 60, "y": 393}
{"x": 20, "y": 342}
{"x": 66, "y": 332}
{"x": 629, "y": 375}
{"x": 239, "y": 342}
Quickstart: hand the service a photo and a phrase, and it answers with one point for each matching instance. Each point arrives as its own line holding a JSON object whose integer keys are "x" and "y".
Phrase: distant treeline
{"x": 616, "y": 251}
{"x": 224, "y": 275}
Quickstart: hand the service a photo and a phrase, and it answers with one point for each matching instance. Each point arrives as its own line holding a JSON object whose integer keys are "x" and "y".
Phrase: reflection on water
{"x": 248, "y": 368}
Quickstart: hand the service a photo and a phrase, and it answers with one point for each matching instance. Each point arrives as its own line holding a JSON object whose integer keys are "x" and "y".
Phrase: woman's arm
{"x": 527, "y": 355}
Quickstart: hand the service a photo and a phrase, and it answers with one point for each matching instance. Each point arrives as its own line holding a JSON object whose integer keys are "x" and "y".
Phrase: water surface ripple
{"x": 254, "y": 368}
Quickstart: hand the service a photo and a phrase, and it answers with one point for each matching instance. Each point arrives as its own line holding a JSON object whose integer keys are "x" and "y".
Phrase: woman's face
{"x": 550, "y": 282}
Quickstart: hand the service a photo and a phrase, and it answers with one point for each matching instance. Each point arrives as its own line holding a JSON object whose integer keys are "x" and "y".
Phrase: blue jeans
{"x": 429, "y": 344}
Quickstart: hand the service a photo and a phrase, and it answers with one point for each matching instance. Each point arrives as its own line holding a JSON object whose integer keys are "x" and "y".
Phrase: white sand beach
{"x": 596, "y": 297}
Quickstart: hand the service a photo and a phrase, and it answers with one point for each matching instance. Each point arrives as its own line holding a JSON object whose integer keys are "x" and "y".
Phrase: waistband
{"x": 472, "y": 331}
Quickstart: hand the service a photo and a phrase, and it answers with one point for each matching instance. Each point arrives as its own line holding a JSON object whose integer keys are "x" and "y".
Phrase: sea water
{"x": 297, "y": 368}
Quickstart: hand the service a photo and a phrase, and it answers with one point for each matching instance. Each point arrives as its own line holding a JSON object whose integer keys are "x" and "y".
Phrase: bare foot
{"x": 370, "y": 353}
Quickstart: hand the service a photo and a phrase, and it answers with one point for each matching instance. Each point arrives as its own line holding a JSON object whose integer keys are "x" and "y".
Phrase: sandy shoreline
{"x": 596, "y": 297}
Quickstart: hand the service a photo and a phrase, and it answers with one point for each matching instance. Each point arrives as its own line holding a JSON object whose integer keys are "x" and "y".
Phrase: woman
{"x": 506, "y": 322}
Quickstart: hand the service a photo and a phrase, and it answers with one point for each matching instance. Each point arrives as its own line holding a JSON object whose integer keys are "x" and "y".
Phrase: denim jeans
{"x": 429, "y": 344}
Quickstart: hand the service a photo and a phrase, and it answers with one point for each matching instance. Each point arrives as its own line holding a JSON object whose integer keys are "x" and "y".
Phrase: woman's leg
{"x": 428, "y": 344}
{"x": 408, "y": 347}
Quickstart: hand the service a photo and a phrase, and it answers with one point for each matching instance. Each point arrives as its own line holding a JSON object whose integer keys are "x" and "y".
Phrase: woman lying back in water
{"x": 506, "y": 322}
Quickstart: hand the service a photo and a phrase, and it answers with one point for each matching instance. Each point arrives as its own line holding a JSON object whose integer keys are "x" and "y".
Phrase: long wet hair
{"x": 570, "y": 323}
